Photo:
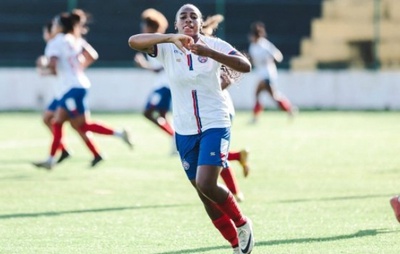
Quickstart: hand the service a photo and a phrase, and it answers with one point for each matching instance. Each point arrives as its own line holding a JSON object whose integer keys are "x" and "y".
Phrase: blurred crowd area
{"x": 287, "y": 22}
{"x": 312, "y": 34}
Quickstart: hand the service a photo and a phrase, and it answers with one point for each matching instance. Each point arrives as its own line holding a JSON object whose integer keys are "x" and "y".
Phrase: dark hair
{"x": 257, "y": 29}
{"x": 68, "y": 21}
{"x": 154, "y": 25}
{"x": 48, "y": 26}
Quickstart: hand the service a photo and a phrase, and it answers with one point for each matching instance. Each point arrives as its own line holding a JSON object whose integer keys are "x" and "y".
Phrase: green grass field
{"x": 319, "y": 184}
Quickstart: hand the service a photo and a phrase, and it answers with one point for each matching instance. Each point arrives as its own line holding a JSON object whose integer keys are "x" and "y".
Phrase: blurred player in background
{"x": 159, "y": 102}
{"x": 201, "y": 117}
{"x": 395, "y": 203}
{"x": 69, "y": 55}
{"x": 227, "y": 174}
{"x": 263, "y": 55}
{"x": 48, "y": 114}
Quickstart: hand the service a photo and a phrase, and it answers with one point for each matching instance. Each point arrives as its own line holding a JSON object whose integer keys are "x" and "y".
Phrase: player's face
{"x": 55, "y": 28}
{"x": 46, "y": 35}
{"x": 146, "y": 29}
{"x": 188, "y": 21}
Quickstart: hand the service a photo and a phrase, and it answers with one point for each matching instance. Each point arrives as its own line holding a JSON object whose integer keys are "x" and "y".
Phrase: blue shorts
{"x": 74, "y": 102}
{"x": 53, "y": 105}
{"x": 159, "y": 99}
{"x": 207, "y": 148}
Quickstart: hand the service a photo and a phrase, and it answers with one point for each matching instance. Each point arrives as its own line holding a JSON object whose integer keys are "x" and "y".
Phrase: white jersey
{"x": 162, "y": 79}
{"x": 262, "y": 55}
{"x": 198, "y": 103}
{"x": 67, "y": 49}
{"x": 228, "y": 98}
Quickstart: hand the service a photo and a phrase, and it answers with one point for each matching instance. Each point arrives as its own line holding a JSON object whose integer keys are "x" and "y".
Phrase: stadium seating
{"x": 353, "y": 33}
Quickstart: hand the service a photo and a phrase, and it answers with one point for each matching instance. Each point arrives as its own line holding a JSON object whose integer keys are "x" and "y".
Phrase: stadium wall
{"x": 126, "y": 89}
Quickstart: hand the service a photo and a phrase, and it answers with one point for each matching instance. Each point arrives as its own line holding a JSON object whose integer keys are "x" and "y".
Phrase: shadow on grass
{"x": 334, "y": 198}
{"x": 198, "y": 250}
{"x": 361, "y": 233}
{"x": 358, "y": 234}
{"x": 99, "y": 210}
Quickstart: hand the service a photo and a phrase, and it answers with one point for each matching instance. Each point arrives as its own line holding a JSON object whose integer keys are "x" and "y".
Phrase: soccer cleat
{"x": 239, "y": 197}
{"x": 395, "y": 203}
{"x": 246, "y": 238}
{"x": 96, "y": 160}
{"x": 236, "y": 250}
{"x": 244, "y": 156}
{"x": 64, "y": 155}
{"x": 126, "y": 138}
{"x": 44, "y": 164}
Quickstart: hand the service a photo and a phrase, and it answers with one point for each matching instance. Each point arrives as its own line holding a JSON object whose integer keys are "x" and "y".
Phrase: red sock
{"x": 231, "y": 209}
{"x": 165, "y": 126}
{"x": 257, "y": 108}
{"x": 57, "y": 135}
{"x": 61, "y": 147}
{"x": 234, "y": 156}
{"x": 96, "y": 128}
{"x": 92, "y": 147}
{"x": 227, "y": 229}
{"x": 285, "y": 104}
{"x": 230, "y": 180}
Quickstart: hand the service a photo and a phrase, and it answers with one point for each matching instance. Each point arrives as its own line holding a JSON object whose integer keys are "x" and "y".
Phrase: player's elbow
{"x": 135, "y": 42}
{"x": 245, "y": 67}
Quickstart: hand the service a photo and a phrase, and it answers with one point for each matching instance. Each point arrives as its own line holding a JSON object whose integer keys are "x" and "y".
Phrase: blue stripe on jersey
{"x": 190, "y": 62}
{"x": 196, "y": 110}
{"x": 233, "y": 52}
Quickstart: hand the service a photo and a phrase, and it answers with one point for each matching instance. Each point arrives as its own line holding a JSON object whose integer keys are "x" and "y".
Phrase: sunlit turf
{"x": 319, "y": 184}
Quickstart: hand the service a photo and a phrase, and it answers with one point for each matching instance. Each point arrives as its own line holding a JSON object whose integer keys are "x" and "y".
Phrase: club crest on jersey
{"x": 202, "y": 59}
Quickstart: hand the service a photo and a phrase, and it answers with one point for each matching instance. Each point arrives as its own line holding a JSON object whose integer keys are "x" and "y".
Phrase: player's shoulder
{"x": 57, "y": 39}
{"x": 211, "y": 39}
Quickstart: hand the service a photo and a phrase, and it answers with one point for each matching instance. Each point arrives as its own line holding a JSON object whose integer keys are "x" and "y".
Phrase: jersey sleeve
{"x": 225, "y": 47}
{"x": 53, "y": 48}
{"x": 159, "y": 52}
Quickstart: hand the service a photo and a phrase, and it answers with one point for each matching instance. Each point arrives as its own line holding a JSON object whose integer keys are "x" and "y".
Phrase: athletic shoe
{"x": 395, "y": 203}
{"x": 44, "y": 164}
{"x": 236, "y": 250}
{"x": 96, "y": 160}
{"x": 253, "y": 120}
{"x": 239, "y": 197}
{"x": 64, "y": 155}
{"x": 246, "y": 238}
{"x": 293, "y": 113}
{"x": 244, "y": 156}
{"x": 126, "y": 138}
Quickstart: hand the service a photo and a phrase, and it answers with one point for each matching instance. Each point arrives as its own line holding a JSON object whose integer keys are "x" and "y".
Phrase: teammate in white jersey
{"x": 159, "y": 101}
{"x": 263, "y": 56}
{"x": 48, "y": 114}
{"x": 69, "y": 55}
{"x": 201, "y": 116}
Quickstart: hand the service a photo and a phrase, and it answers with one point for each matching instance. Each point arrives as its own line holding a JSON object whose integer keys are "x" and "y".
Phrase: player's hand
{"x": 200, "y": 48}
{"x": 140, "y": 59}
{"x": 183, "y": 42}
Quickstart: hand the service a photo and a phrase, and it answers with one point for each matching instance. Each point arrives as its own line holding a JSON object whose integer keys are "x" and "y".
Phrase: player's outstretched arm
{"x": 145, "y": 42}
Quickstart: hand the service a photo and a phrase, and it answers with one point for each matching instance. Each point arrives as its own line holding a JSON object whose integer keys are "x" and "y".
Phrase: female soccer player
{"x": 68, "y": 56}
{"x": 159, "y": 102}
{"x": 263, "y": 55}
{"x": 200, "y": 112}
{"x": 48, "y": 114}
